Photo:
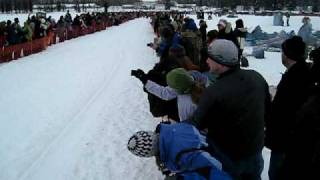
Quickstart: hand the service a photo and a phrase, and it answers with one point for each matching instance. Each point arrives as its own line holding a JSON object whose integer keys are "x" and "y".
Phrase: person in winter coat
{"x": 203, "y": 30}
{"x": 168, "y": 39}
{"x": 233, "y": 109}
{"x": 288, "y": 18}
{"x": 302, "y": 159}
{"x": 191, "y": 34}
{"x": 18, "y": 31}
{"x": 61, "y": 29}
{"x": 43, "y": 27}
{"x": 12, "y": 36}
{"x": 27, "y": 31}
{"x": 68, "y": 19}
{"x": 225, "y": 31}
{"x": 292, "y": 92}
{"x": 38, "y": 31}
{"x": 3, "y": 34}
{"x": 2, "y": 28}
{"x": 240, "y": 33}
{"x": 186, "y": 86}
{"x": 178, "y": 149}
{"x": 189, "y": 24}
{"x": 211, "y": 37}
{"x": 177, "y": 53}
{"x": 305, "y": 31}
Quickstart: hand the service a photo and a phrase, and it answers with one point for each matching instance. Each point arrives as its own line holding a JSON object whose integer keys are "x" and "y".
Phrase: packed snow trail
{"x": 66, "y": 113}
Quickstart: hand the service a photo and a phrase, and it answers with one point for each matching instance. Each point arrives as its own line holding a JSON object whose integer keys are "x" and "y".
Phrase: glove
{"x": 140, "y": 75}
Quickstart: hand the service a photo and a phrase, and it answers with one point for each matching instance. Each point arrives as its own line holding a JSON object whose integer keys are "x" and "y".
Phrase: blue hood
{"x": 179, "y": 137}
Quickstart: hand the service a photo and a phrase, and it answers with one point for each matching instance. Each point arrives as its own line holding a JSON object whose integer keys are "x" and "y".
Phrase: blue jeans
{"x": 276, "y": 163}
{"x": 249, "y": 168}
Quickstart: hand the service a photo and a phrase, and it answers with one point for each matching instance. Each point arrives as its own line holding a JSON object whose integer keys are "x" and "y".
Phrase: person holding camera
{"x": 186, "y": 86}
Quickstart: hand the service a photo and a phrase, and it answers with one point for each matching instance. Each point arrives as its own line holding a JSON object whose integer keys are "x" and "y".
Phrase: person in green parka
{"x": 27, "y": 31}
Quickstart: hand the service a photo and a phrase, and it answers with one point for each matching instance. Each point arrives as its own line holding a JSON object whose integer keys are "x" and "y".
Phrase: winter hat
{"x": 143, "y": 143}
{"x": 180, "y": 80}
{"x": 222, "y": 22}
{"x": 224, "y": 52}
{"x": 213, "y": 34}
{"x": 239, "y": 23}
{"x": 177, "y": 51}
{"x": 294, "y": 48}
{"x": 191, "y": 25}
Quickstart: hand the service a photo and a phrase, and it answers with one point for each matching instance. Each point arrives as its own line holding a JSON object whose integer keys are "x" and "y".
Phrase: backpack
{"x": 244, "y": 61}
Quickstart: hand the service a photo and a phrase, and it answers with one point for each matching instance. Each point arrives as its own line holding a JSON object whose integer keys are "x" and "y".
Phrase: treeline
{"x": 268, "y": 4}
{"x": 16, "y": 5}
{"x": 55, "y": 5}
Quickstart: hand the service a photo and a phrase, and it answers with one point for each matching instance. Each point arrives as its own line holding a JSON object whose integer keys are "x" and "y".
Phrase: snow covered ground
{"x": 67, "y": 112}
{"x": 266, "y": 23}
{"x": 24, "y": 17}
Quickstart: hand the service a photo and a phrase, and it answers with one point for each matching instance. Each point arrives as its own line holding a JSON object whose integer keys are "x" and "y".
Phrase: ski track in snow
{"x": 66, "y": 113}
{"x": 92, "y": 144}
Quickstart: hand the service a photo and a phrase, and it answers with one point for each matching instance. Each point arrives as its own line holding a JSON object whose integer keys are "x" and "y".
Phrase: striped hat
{"x": 143, "y": 143}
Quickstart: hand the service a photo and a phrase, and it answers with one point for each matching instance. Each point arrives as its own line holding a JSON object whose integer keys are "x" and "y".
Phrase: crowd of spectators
{"x": 38, "y": 26}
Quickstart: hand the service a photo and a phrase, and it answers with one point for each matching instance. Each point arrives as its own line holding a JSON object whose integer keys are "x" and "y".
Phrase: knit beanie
{"x": 212, "y": 34}
{"x": 177, "y": 51}
{"x": 180, "y": 80}
{"x": 143, "y": 144}
{"x": 294, "y": 48}
{"x": 224, "y": 52}
{"x": 239, "y": 23}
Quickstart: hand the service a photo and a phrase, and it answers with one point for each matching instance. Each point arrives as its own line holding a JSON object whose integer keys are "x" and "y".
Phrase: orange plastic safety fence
{"x": 8, "y": 53}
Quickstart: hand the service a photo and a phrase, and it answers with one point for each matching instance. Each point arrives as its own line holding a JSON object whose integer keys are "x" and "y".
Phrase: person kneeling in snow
{"x": 179, "y": 150}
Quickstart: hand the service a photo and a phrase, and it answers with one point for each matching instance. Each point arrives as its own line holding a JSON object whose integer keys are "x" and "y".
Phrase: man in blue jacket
{"x": 180, "y": 150}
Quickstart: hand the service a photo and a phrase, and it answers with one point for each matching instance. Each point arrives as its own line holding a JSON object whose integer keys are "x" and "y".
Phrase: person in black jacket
{"x": 203, "y": 31}
{"x": 240, "y": 33}
{"x": 302, "y": 159}
{"x": 233, "y": 109}
{"x": 292, "y": 92}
